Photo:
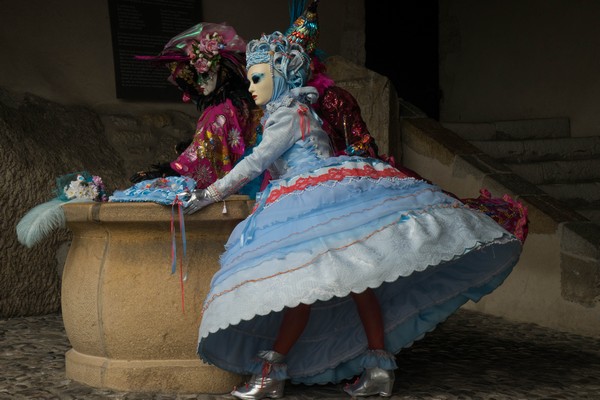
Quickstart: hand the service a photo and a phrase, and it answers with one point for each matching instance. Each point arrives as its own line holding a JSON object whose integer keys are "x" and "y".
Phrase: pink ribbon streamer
{"x": 182, "y": 275}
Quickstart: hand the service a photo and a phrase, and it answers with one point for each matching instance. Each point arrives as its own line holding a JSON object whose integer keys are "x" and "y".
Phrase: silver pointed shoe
{"x": 373, "y": 381}
{"x": 260, "y": 388}
{"x": 263, "y": 385}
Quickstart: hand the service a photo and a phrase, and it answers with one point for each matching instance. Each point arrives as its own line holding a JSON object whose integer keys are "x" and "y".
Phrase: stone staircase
{"x": 555, "y": 283}
{"x": 543, "y": 152}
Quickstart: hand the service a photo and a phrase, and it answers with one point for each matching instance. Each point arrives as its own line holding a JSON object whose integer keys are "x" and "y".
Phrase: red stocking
{"x": 370, "y": 315}
{"x": 294, "y": 322}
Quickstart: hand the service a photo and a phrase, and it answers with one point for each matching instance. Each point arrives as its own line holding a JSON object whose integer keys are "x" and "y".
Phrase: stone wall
{"x": 377, "y": 98}
{"x": 41, "y": 140}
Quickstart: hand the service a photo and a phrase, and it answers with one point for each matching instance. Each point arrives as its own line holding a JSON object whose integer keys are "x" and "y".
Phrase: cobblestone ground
{"x": 470, "y": 356}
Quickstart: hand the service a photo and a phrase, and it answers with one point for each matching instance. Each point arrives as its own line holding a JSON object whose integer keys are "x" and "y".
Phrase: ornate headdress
{"x": 287, "y": 58}
{"x": 194, "y": 55}
{"x": 304, "y": 29}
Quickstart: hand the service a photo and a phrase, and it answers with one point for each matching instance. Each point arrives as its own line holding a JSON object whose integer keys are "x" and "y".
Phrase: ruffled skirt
{"x": 348, "y": 225}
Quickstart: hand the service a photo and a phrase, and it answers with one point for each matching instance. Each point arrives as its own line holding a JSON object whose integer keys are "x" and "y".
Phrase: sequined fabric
{"x": 223, "y": 133}
{"x": 343, "y": 123}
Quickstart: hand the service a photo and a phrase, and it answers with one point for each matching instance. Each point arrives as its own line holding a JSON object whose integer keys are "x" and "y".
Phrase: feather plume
{"x": 40, "y": 221}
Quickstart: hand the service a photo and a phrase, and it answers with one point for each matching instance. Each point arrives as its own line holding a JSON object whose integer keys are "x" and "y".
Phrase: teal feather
{"x": 40, "y": 221}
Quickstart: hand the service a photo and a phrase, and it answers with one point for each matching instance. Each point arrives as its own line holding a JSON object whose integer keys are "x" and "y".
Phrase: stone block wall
{"x": 41, "y": 140}
{"x": 377, "y": 98}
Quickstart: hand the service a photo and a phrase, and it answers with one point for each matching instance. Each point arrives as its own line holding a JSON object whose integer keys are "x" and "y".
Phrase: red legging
{"x": 295, "y": 320}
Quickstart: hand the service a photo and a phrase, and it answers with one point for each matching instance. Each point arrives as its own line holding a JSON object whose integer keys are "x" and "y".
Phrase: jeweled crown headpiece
{"x": 287, "y": 58}
{"x": 304, "y": 30}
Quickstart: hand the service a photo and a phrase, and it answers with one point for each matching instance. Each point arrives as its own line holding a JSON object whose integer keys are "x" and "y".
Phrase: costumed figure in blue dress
{"x": 344, "y": 260}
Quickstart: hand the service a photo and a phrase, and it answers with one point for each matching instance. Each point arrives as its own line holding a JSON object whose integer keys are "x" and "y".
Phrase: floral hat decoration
{"x": 194, "y": 56}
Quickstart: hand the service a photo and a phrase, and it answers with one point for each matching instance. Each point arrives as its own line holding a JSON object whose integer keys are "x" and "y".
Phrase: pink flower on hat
{"x": 204, "y": 54}
{"x": 202, "y": 65}
{"x": 210, "y": 44}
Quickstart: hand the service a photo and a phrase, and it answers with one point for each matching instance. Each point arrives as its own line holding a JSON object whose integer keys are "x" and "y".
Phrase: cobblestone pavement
{"x": 470, "y": 356}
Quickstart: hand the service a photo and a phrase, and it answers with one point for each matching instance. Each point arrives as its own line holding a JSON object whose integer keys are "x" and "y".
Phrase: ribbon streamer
{"x": 183, "y": 275}
{"x": 304, "y": 127}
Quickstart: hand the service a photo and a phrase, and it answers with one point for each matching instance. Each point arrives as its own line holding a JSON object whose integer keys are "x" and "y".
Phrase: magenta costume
{"x": 219, "y": 143}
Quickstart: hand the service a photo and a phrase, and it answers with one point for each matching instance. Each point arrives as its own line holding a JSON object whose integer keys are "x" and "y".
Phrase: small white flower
{"x": 81, "y": 189}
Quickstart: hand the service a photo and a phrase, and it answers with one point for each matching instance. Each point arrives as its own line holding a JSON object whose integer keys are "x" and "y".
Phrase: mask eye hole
{"x": 256, "y": 78}
{"x": 202, "y": 78}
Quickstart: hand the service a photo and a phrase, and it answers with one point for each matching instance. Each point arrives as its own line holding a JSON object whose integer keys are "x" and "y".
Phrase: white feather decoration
{"x": 40, "y": 221}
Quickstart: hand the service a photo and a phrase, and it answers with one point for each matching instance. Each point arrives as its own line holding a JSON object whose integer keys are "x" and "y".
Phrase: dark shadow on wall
{"x": 403, "y": 46}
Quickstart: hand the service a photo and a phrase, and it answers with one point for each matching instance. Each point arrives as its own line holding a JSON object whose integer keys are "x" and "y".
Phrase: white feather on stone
{"x": 41, "y": 220}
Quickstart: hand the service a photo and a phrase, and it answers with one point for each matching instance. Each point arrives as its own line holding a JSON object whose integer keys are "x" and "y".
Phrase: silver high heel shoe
{"x": 371, "y": 382}
{"x": 265, "y": 384}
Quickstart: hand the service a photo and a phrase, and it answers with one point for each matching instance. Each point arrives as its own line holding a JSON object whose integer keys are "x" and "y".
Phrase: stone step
{"x": 542, "y": 152}
{"x": 581, "y": 197}
{"x": 519, "y": 151}
{"x": 577, "y": 194}
{"x": 593, "y": 214}
{"x": 558, "y": 171}
{"x": 539, "y": 128}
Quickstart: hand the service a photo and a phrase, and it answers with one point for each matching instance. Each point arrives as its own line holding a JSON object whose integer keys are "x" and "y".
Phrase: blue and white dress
{"x": 328, "y": 226}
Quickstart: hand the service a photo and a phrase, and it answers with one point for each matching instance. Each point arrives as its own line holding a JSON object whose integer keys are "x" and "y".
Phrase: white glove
{"x": 198, "y": 199}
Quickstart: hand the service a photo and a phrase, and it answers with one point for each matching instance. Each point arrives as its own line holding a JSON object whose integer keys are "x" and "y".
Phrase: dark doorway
{"x": 403, "y": 46}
